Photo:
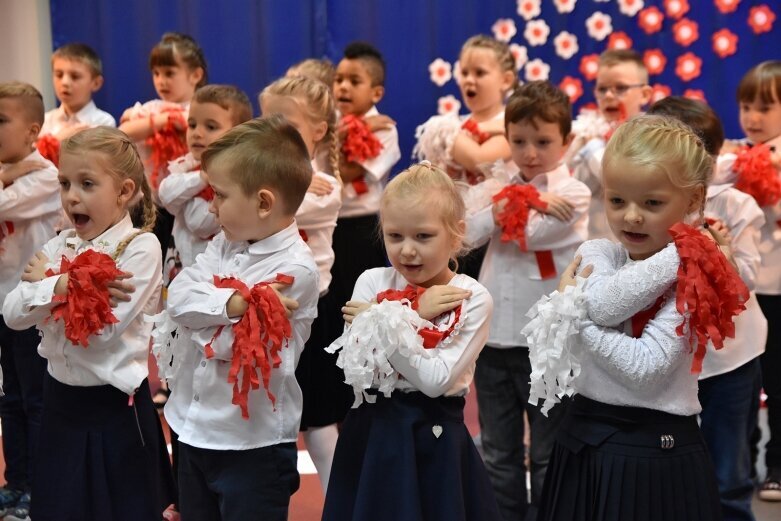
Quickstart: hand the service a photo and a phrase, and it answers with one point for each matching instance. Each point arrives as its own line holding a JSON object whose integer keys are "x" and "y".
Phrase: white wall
{"x": 26, "y": 44}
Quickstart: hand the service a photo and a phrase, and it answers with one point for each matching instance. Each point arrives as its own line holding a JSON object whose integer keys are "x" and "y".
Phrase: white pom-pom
{"x": 552, "y": 334}
{"x": 590, "y": 124}
{"x": 435, "y": 139}
{"x": 165, "y": 339}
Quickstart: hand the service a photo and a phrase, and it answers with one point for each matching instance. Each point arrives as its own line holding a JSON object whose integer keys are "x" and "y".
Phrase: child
{"x": 629, "y": 446}
{"x": 77, "y": 73}
{"x": 214, "y": 110}
{"x": 521, "y": 264}
{"x": 358, "y": 87}
{"x": 30, "y": 212}
{"x": 101, "y": 453}
{"x": 237, "y": 447}
{"x": 759, "y": 96}
{"x": 309, "y": 106}
{"x": 622, "y": 91}
{"x": 409, "y": 455}
{"x": 158, "y": 126}
{"x": 316, "y": 69}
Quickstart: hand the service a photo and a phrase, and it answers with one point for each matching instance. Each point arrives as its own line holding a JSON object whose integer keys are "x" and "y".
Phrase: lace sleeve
{"x": 614, "y": 291}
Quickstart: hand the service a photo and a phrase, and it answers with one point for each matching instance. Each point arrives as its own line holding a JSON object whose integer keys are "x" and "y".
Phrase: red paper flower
{"x": 566, "y": 44}
{"x": 650, "y": 20}
{"x": 686, "y": 32}
{"x": 504, "y": 29}
{"x": 688, "y": 66}
{"x": 589, "y": 65}
{"x": 659, "y": 91}
{"x": 630, "y": 7}
{"x": 695, "y": 94}
{"x": 725, "y": 43}
{"x": 447, "y": 104}
{"x": 676, "y": 8}
{"x": 726, "y": 6}
{"x": 761, "y": 19}
{"x": 619, "y": 40}
{"x": 572, "y": 87}
{"x": 537, "y": 70}
{"x": 440, "y": 71}
{"x": 528, "y": 9}
{"x": 599, "y": 25}
{"x": 655, "y": 61}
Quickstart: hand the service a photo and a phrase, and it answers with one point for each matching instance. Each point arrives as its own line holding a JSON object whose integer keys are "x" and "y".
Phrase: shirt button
{"x": 203, "y": 364}
{"x": 196, "y": 398}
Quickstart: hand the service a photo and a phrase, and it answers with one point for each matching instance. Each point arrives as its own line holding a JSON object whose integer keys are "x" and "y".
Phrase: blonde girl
{"x": 309, "y": 106}
{"x": 404, "y": 451}
{"x": 101, "y": 453}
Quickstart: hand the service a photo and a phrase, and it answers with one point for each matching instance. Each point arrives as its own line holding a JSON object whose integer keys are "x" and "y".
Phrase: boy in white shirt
{"x": 30, "y": 212}
{"x": 538, "y": 120}
{"x": 238, "y": 452}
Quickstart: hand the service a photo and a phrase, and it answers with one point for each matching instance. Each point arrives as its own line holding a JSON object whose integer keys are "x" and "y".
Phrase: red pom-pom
{"x": 473, "y": 128}
{"x": 359, "y": 143}
{"x": 49, "y": 148}
{"x": 257, "y": 338}
{"x": 167, "y": 144}
{"x": 757, "y": 176}
{"x": 710, "y": 292}
{"x": 515, "y": 215}
{"x": 86, "y": 307}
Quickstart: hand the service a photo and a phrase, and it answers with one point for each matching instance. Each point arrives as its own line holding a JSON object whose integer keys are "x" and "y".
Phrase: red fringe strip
{"x": 757, "y": 176}
{"x": 167, "y": 144}
{"x": 359, "y": 142}
{"x": 431, "y": 336}
{"x": 515, "y": 215}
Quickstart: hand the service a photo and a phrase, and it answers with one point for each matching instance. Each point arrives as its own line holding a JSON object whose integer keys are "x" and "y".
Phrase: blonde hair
{"x": 122, "y": 162}
{"x": 316, "y": 69}
{"x": 430, "y": 185}
{"x": 28, "y": 96}
{"x": 265, "y": 152}
{"x": 501, "y": 50}
{"x": 663, "y": 143}
{"x": 317, "y": 102}
{"x": 82, "y": 53}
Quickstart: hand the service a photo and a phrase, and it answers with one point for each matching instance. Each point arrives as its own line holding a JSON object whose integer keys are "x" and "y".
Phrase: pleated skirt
{"x": 613, "y": 463}
{"x": 100, "y": 458}
{"x": 390, "y": 465}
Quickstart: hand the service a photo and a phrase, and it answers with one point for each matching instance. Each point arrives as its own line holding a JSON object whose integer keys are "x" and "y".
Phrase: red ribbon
{"x": 86, "y": 307}
{"x": 6, "y": 229}
{"x": 545, "y": 264}
{"x": 167, "y": 144}
{"x": 709, "y": 290}
{"x": 471, "y": 126}
{"x": 257, "y": 338}
{"x": 431, "y": 336}
{"x": 641, "y": 319}
{"x": 49, "y": 147}
{"x": 756, "y": 175}
{"x": 515, "y": 214}
{"x": 303, "y": 235}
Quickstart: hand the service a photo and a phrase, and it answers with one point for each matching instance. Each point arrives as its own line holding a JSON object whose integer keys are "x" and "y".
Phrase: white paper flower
{"x": 520, "y": 54}
{"x": 566, "y": 44}
{"x": 528, "y": 9}
{"x": 440, "y": 71}
{"x": 504, "y": 29}
{"x": 536, "y": 32}
{"x": 448, "y": 104}
{"x": 457, "y": 71}
{"x": 630, "y": 7}
{"x": 537, "y": 70}
{"x": 599, "y": 25}
{"x": 565, "y": 6}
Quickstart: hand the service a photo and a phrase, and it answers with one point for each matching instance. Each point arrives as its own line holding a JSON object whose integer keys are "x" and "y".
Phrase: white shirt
{"x": 587, "y": 167}
{"x": 451, "y": 366}
{"x": 194, "y": 225}
{"x": 57, "y": 119}
{"x": 769, "y": 279}
{"x": 653, "y": 371}
{"x": 30, "y": 214}
{"x": 316, "y": 218}
{"x": 744, "y": 219}
{"x": 199, "y": 408}
{"x": 513, "y": 276}
{"x": 376, "y": 174}
{"x": 119, "y": 354}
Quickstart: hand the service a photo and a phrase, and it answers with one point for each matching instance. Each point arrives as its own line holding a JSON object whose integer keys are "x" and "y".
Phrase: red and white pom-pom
{"x": 86, "y": 307}
{"x": 710, "y": 293}
{"x": 49, "y": 148}
{"x": 359, "y": 143}
{"x": 757, "y": 176}
{"x": 410, "y": 295}
{"x": 515, "y": 214}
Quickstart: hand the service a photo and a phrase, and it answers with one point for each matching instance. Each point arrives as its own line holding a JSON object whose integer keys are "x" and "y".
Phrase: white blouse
{"x": 316, "y": 218}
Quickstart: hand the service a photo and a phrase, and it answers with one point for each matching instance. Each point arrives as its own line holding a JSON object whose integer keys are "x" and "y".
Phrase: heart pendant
{"x": 437, "y": 430}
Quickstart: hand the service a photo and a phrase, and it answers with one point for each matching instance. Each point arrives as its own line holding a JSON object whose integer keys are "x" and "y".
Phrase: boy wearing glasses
{"x": 621, "y": 91}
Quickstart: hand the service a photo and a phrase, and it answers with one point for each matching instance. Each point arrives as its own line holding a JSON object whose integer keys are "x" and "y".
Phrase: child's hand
{"x": 290, "y": 304}
{"x": 557, "y": 206}
{"x": 493, "y": 127}
{"x": 775, "y": 160}
{"x": 118, "y": 290}
{"x": 126, "y": 115}
{"x": 497, "y": 208}
{"x": 719, "y": 232}
{"x": 11, "y": 173}
{"x": 440, "y": 299}
{"x": 171, "y": 514}
{"x": 568, "y": 278}
{"x": 35, "y": 270}
{"x": 320, "y": 186}
{"x": 730, "y": 146}
{"x": 379, "y": 122}
{"x": 354, "y": 308}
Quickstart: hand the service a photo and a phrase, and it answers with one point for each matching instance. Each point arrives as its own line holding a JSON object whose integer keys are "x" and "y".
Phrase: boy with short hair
{"x": 621, "y": 91}
{"x": 237, "y": 439}
{"x": 517, "y": 272}
{"x": 30, "y": 212}
{"x": 77, "y": 73}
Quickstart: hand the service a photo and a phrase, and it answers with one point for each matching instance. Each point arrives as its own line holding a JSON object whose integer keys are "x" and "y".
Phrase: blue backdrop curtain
{"x": 249, "y": 43}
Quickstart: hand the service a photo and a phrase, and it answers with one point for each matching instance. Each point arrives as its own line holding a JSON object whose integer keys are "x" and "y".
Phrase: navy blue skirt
{"x": 613, "y": 463}
{"x": 390, "y": 465}
{"x": 99, "y": 458}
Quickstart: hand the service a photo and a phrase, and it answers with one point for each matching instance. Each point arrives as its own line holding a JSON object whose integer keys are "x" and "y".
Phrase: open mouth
{"x": 80, "y": 220}
{"x": 413, "y": 267}
{"x": 470, "y": 93}
{"x": 635, "y": 237}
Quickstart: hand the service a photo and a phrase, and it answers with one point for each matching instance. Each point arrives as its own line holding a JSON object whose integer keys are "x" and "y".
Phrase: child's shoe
{"x": 771, "y": 488}
{"x": 21, "y": 512}
{"x": 8, "y": 499}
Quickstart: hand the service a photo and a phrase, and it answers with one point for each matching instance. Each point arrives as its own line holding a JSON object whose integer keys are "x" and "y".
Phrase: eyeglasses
{"x": 618, "y": 90}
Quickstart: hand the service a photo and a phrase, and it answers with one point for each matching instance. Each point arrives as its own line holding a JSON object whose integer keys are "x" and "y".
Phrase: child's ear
{"x": 458, "y": 238}
{"x": 320, "y": 129}
{"x": 647, "y": 92}
{"x": 33, "y": 130}
{"x": 378, "y": 91}
{"x": 97, "y": 83}
{"x": 196, "y": 75}
{"x": 508, "y": 78}
{"x": 266, "y": 201}
{"x": 697, "y": 200}
{"x": 568, "y": 139}
{"x": 126, "y": 191}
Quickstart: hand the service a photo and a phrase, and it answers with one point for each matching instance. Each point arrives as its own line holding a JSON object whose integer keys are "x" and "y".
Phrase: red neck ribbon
{"x": 431, "y": 336}
{"x": 86, "y": 307}
{"x": 515, "y": 215}
{"x": 257, "y": 338}
{"x": 757, "y": 176}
